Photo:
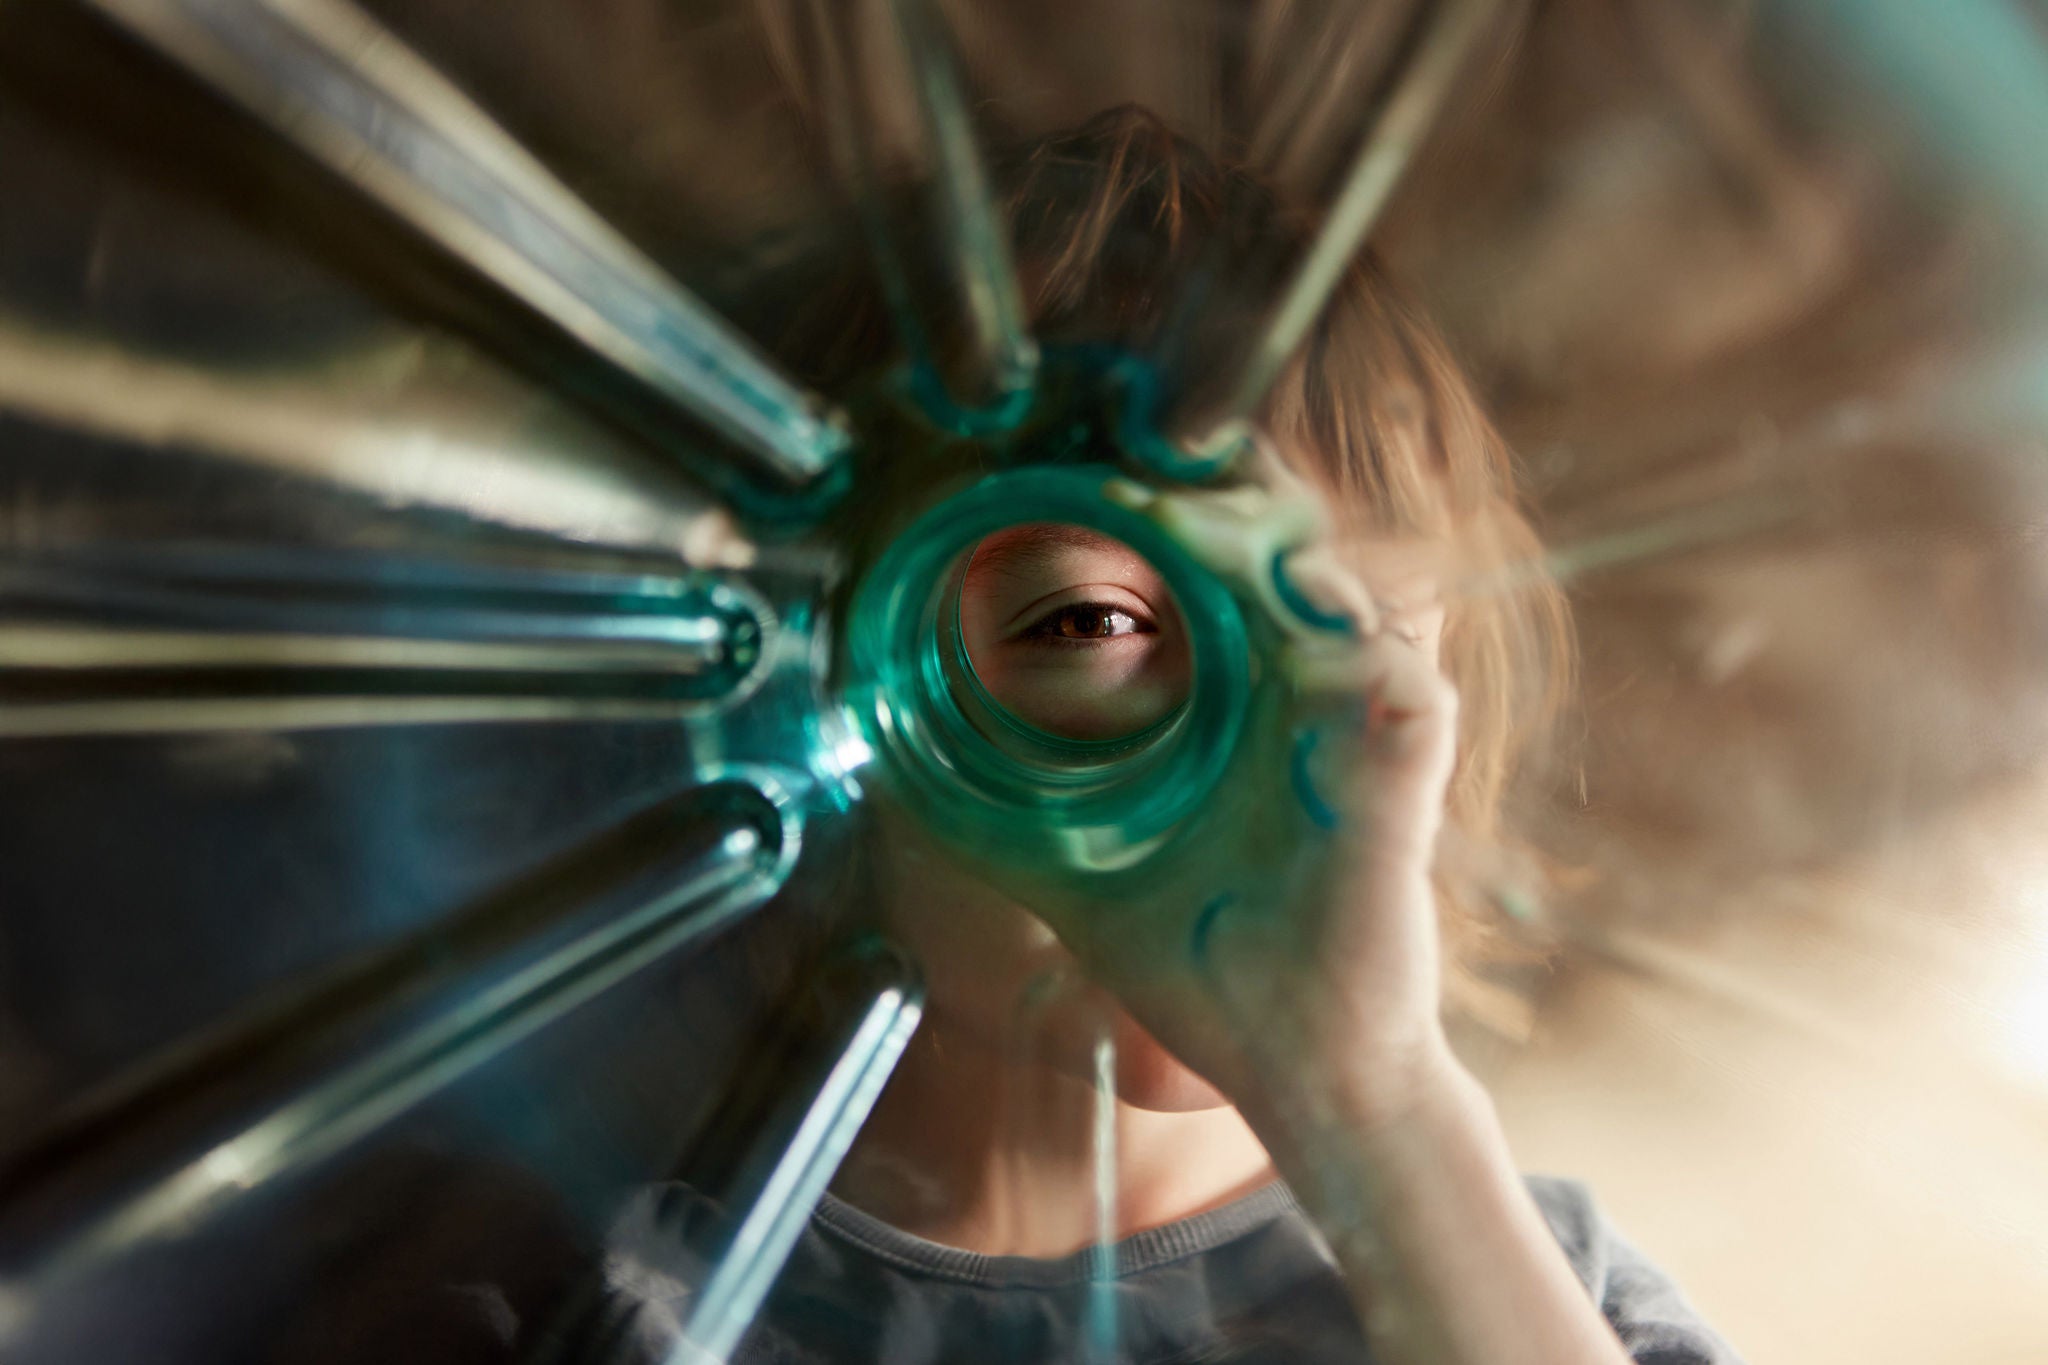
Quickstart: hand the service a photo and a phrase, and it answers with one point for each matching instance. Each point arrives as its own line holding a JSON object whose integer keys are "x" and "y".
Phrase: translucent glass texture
{"x": 490, "y": 498}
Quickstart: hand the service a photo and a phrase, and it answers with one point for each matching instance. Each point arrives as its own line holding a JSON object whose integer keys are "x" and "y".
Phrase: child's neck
{"x": 976, "y": 1150}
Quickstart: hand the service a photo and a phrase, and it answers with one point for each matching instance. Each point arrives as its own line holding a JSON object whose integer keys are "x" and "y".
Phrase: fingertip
{"x": 1409, "y": 715}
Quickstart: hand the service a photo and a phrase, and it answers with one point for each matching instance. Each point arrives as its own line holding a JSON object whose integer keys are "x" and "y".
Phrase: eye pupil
{"x": 1085, "y": 623}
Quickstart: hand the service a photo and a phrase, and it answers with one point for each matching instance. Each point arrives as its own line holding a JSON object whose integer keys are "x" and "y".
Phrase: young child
{"x": 1302, "y": 1170}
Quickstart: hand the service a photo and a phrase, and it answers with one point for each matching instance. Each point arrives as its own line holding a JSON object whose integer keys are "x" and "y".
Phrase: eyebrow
{"x": 1034, "y": 548}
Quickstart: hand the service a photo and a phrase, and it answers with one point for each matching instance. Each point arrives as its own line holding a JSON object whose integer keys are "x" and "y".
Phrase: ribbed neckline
{"x": 1143, "y": 1251}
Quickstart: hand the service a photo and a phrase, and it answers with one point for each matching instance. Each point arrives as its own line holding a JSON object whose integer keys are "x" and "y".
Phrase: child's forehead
{"x": 1401, "y": 571}
{"x": 1039, "y": 547}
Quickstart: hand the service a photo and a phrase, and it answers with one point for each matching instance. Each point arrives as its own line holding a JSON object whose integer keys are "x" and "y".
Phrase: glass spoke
{"x": 155, "y": 1151}
{"x": 1100, "y": 1316}
{"x": 806, "y": 1153}
{"x": 123, "y": 640}
{"x": 329, "y": 81}
{"x": 974, "y": 360}
{"x": 209, "y": 715}
{"x": 1399, "y": 125}
{"x": 438, "y": 440}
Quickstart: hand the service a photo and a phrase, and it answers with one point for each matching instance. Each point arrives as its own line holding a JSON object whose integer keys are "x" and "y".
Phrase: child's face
{"x": 1076, "y": 634}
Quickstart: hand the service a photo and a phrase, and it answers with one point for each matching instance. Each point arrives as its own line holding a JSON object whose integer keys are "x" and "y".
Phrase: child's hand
{"x": 1288, "y": 942}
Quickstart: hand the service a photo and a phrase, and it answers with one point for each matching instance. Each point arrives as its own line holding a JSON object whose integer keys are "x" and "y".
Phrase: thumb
{"x": 1395, "y": 794}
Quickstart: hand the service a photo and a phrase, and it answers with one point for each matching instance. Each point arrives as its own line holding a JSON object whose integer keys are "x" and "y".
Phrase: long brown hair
{"x": 1116, "y": 227}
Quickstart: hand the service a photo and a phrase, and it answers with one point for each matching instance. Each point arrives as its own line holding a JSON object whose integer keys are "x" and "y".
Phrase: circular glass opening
{"x": 1046, "y": 675}
{"x": 1072, "y": 632}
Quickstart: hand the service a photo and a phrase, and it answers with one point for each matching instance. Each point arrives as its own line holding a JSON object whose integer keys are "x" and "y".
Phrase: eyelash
{"x": 1043, "y": 632}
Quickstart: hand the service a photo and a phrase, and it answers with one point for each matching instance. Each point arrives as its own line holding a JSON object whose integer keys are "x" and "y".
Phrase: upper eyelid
{"x": 1036, "y": 609}
{"x": 1040, "y": 618}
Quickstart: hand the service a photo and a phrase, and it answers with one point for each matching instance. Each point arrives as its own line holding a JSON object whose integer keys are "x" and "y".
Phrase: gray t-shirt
{"x": 1246, "y": 1283}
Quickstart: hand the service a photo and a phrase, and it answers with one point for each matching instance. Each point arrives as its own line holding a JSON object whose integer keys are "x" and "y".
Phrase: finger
{"x": 1409, "y": 750}
{"x": 1248, "y": 535}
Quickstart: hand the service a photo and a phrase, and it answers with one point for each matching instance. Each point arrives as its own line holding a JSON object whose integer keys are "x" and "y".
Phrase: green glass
{"x": 980, "y": 776}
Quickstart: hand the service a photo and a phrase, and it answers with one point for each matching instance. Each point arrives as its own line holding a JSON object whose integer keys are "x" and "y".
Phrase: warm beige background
{"x": 1799, "y": 1042}
{"x": 1828, "y": 1113}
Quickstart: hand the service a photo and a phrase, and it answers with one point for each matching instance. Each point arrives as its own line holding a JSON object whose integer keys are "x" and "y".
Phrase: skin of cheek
{"x": 1116, "y": 689}
{"x": 999, "y": 981}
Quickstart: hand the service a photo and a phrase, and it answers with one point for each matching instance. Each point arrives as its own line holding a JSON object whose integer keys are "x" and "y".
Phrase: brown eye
{"x": 1087, "y": 621}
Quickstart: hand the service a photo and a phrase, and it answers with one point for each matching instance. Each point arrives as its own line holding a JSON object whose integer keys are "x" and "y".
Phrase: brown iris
{"x": 1087, "y": 621}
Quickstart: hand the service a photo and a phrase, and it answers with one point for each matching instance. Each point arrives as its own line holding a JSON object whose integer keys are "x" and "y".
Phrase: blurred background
{"x": 1758, "y": 302}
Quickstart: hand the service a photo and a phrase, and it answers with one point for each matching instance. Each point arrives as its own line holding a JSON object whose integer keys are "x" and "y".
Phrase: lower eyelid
{"x": 1062, "y": 642}
{"x": 1080, "y": 642}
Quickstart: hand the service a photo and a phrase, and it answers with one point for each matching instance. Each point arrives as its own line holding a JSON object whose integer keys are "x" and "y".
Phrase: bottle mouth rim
{"x": 971, "y": 767}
